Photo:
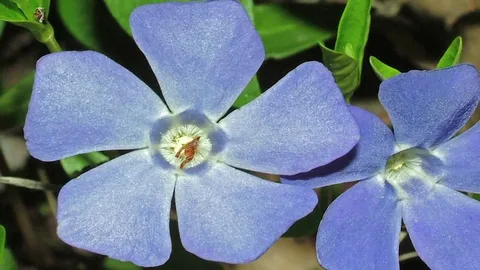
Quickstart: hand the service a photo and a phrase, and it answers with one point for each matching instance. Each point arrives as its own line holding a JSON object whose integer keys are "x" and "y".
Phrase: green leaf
{"x": 111, "y": 264}
{"x": 382, "y": 70}
{"x": 27, "y": 7}
{"x": 353, "y": 29}
{"x": 249, "y": 93}
{"x": 452, "y": 55}
{"x": 248, "y": 5}
{"x": 121, "y": 10}
{"x": 2, "y": 26}
{"x": 79, "y": 18}
{"x": 10, "y": 12}
{"x": 346, "y": 60}
{"x": 8, "y": 261}
{"x": 14, "y": 103}
{"x": 2, "y": 241}
{"x": 284, "y": 34}
{"x": 76, "y": 164}
{"x": 344, "y": 70}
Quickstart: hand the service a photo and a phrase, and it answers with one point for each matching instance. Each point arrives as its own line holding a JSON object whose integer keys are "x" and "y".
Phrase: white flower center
{"x": 409, "y": 171}
{"x": 185, "y": 146}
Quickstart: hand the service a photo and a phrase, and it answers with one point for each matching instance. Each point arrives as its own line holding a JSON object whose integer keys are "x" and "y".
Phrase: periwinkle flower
{"x": 414, "y": 175}
{"x": 203, "y": 55}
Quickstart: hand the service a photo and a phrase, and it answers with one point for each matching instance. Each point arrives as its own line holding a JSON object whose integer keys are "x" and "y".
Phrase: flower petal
{"x": 203, "y": 54}
{"x": 429, "y": 107}
{"x": 84, "y": 102}
{"x": 230, "y": 216}
{"x": 120, "y": 209}
{"x": 444, "y": 228}
{"x": 361, "y": 229}
{"x": 365, "y": 160}
{"x": 460, "y": 157}
{"x": 301, "y": 123}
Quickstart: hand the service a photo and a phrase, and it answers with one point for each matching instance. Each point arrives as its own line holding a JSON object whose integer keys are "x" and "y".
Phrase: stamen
{"x": 185, "y": 146}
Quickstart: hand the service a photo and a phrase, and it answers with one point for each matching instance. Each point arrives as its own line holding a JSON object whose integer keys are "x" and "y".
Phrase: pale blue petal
{"x": 365, "y": 160}
{"x": 120, "y": 209}
{"x": 361, "y": 229}
{"x": 230, "y": 216}
{"x": 461, "y": 158}
{"x": 84, "y": 102}
{"x": 444, "y": 228}
{"x": 203, "y": 54}
{"x": 301, "y": 123}
{"x": 428, "y": 107}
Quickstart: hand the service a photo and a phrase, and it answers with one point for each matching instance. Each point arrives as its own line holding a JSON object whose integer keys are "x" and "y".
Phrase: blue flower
{"x": 413, "y": 175}
{"x": 203, "y": 55}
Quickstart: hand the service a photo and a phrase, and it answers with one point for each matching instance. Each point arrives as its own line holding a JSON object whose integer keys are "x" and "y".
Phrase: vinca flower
{"x": 414, "y": 175}
{"x": 187, "y": 150}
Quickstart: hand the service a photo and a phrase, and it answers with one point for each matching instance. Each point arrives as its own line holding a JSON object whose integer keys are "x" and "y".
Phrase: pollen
{"x": 185, "y": 146}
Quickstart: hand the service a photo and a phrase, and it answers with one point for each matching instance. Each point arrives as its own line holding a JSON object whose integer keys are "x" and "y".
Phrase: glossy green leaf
{"x": 111, "y": 264}
{"x": 248, "y": 5}
{"x": 121, "y": 10}
{"x": 79, "y": 18}
{"x": 344, "y": 69}
{"x": 8, "y": 261}
{"x": 14, "y": 103}
{"x": 250, "y": 92}
{"x": 382, "y": 70}
{"x": 353, "y": 29}
{"x": 27, "y": 7}
{"x": 2, "y": 241}
{"x": 10, "y": 12}
{"x": 76, "y": 164}
{"x": 284, "y": 34}
{"x": 452, "y": 55}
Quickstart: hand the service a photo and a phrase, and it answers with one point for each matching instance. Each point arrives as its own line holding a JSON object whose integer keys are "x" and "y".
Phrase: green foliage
{"x": 452, "y": 55}
{"x": 2, "y": 241}
{"x": 250, "y": 93}
{"x": 76, "y": 164}
{"x": 14, "y": 103}
{"x": 344, "y": 69}
{"x": 121, "y": 10}
{"x": 111, "y": 264}
{"x": 21, "y": 12}
{"x": 248, "y": 5}
{"x": 79, "y": 19}
{"x": 2, "y": 26}
{"x": 284, "y": 34}
{"x": 350, "y": 45}
{"x": 382, "y": 70}
{"x": 8, "y": 261}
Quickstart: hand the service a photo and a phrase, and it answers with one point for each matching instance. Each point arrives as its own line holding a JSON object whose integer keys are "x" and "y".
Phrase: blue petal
{"x": 428, "y": 107}
{"x": 230, "y": 216}
{"x": 120, "y": 209}
{"x": 84, "y": 102}
{"x": 365, "y": 160}
{"x": 361, "y": 229}
{"x": 302, "y": 122}
{"x": 461, "y": 159}
{"x": 444, "y": 228}
{"x": 203, "y": 54}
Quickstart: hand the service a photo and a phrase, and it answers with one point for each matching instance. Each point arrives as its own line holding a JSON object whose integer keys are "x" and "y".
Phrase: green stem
{"x": 47, "y": 37}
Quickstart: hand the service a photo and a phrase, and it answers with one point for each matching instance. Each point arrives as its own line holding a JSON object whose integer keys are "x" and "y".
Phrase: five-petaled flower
{"x": 203, "y": 55}
{"x": 412, "y": 174}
